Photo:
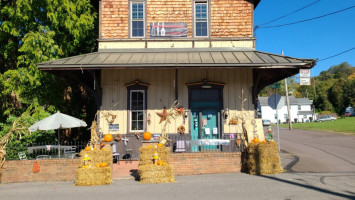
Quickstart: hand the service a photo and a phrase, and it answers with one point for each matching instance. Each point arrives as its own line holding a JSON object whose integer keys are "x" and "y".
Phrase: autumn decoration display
{"x": 94, "y": 168}
{"x": 154, "y": 165}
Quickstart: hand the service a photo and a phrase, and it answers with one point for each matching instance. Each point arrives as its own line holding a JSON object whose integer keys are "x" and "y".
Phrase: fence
{"x": 45, "y": 150}
{"x": 184, "y": 144}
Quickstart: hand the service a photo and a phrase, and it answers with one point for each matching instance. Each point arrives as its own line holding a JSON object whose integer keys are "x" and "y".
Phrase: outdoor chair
{"x": 115, "y": 154}
{"x": 70, "y": 153}
{"x": 180, "y": 146}
{"x": 22, "y": 155}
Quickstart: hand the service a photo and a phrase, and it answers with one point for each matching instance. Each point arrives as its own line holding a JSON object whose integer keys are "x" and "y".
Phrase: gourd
{"x": 160, "y": 162}
{"x": 160, "y": 145}
{"x": 108, "y": 138}
{"x": 88, "y": 148}
{"x": 147, "y": 135}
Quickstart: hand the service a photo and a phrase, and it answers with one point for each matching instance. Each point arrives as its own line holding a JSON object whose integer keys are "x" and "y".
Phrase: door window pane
{"x": 137, "y": 107}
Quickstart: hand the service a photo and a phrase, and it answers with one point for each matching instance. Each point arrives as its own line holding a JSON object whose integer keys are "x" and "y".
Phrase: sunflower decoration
{"x": 181, "y": 129}
{"x": 180, "y": 110}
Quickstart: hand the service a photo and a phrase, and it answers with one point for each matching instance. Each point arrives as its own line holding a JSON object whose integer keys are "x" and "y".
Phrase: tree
{"x": 34, "y": 31}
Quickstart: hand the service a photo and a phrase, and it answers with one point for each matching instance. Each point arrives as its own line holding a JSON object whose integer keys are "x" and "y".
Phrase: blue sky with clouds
{"x": 319, "y": 38}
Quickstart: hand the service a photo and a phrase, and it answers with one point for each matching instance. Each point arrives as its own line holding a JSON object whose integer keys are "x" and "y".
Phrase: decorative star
{"x": 164, "y": 116}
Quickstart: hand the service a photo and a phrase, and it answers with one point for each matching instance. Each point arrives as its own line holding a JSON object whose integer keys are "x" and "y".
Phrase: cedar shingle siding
{"x": 228, "y": 18}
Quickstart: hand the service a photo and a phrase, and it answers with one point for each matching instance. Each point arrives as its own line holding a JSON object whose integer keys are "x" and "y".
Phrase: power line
{"x": 289, "y": 13}
{"x": 308, "y": 19}
{"x": 336, "y": 54}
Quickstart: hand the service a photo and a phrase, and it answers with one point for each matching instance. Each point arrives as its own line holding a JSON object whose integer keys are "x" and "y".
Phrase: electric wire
{"x": 292, "y": 23}
{"x": 336, "y": 54}
{"x": 283, "y": 16}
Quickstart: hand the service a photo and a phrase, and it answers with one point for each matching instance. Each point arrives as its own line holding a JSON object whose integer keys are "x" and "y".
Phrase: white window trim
{"x": 131, "y": 20}
{"x": 200, "y": 2}
{"x": 130, "y": 110}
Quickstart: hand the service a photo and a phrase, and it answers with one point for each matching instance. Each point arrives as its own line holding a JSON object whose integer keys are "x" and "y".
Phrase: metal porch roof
{"x": 174, "y": 57}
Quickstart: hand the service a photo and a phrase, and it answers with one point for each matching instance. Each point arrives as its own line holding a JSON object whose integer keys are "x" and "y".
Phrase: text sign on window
{"x": 168, "y": 29}
{"x": 113, "y": 127}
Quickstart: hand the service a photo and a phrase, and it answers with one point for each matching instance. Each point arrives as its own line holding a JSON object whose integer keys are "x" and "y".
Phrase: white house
{"x": 300, "y": 109}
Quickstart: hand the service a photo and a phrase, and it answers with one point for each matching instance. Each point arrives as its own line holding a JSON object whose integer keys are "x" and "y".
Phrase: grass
{"x": 344, "y": 126}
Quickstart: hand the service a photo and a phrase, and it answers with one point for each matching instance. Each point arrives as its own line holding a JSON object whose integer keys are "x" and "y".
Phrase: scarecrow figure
{"x": 156, "y": 158}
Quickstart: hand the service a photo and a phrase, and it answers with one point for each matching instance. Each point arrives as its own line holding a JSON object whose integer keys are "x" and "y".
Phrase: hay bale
{"x": 93, "y": 176}
{"x": 263, "y": 158}
{"x": 150, "y": 173}
{"x": 97, "y": 157}
{"x": 146, "y": 155}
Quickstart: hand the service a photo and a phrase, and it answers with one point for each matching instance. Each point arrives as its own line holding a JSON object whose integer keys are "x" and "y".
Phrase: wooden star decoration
{"x": 164, "y": 116}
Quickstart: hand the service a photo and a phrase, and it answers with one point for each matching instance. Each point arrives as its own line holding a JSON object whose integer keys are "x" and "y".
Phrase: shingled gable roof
{"x": 175, "y": 58}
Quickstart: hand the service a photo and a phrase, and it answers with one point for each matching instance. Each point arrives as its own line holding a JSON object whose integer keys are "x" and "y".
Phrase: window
{"x": 137, "y": 19}
{"x": 137, "y": 107}
{"x": 201, "y": 19}
{"x": 299, "y": 107}
{"x": 285, "y": 116}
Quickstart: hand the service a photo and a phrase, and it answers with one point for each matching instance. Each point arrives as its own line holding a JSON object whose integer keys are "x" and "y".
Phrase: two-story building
{"x": 301, "y": 109}
{"x": 199, "y": 52}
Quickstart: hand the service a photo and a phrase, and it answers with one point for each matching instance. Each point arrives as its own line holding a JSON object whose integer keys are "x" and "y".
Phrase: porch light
{"x": 225, "y": 114}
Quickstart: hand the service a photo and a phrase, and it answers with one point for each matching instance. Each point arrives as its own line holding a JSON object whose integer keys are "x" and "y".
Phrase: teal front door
{"x": 205, "y": 117}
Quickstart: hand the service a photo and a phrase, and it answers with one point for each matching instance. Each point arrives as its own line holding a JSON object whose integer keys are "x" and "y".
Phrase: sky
{"x": 320, "y": 38}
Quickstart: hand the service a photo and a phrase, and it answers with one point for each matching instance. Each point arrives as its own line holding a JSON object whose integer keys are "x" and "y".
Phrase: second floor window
{"x": 137, "y": 19}
{"x": 201, "y": 19}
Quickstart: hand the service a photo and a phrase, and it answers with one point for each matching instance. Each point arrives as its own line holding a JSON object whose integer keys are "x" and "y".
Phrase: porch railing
{"x": 184, "y": 144}
{"x": 45, "y": 150}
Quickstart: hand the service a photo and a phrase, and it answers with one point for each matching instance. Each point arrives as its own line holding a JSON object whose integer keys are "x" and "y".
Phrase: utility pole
{"x": 288, "y": 104}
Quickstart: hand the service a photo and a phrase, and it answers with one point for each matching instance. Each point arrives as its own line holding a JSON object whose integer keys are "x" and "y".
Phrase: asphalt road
{"x": 314, "y": 151}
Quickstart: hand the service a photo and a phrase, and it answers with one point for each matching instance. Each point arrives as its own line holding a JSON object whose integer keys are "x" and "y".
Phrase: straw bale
{"x": 263, "y": 158}
{"x": 93, "y": 176}
{"x": 146, "y": 154}
{"x": 96, "y": 156}
{"x": 156, "y": 174}
{"x": 150, "y": 173}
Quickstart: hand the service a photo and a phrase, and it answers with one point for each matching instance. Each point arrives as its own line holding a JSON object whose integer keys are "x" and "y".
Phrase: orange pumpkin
{"x": 256, "y": 140}
{"x": 108, "y": 138}
{"x": 104, "y": 164}
{"x": 147, "y": 135}
{"x": 160, "y": 145}
{"x": 88, "y": 148}
{"x": 160, "y": 162}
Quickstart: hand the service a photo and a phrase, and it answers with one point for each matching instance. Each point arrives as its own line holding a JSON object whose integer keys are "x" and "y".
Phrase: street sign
{"x": 305, "y": 81}
{"x": 305, "y": 73}
{"x": 275, "y": 85}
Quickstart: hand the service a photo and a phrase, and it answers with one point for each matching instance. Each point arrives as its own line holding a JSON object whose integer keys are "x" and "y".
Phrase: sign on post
{"x": 275, "y": 85}
{"x": 305, "y": 77}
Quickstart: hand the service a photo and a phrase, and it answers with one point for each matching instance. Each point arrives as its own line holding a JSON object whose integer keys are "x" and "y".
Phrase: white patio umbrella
{"x": 57, "y": 121}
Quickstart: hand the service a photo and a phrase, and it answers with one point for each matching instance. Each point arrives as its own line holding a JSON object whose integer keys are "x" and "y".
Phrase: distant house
{"x": 300, "y": 109}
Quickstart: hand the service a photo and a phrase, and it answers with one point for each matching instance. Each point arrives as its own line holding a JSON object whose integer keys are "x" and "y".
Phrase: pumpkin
{"x": 160, "y": 162}
{"x": 147, "y": 135}
{"x": 160, "y": 145}
{"x": 256, "y": 140}
{"x": 88, "y": 148}
{"x": 104, "y": 164}
{"x": 108, "y": 138}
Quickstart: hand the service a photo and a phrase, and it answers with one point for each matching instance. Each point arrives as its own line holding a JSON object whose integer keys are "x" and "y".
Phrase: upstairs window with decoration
{"x": 201, "y": 19}
{"x": 137, "y": 19}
